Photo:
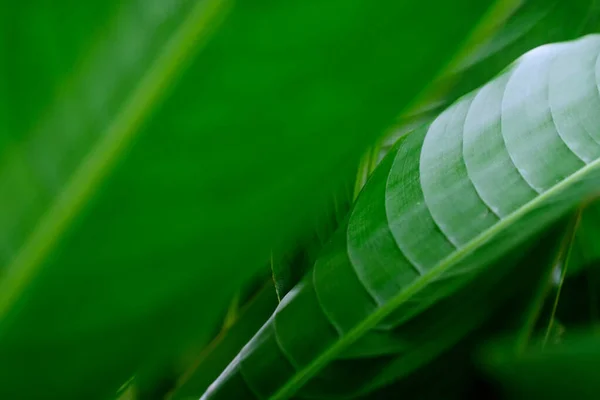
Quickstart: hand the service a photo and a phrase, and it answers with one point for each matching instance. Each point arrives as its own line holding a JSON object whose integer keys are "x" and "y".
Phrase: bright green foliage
{"x": 436, "y": 213}
{"x": 153, "y": 153}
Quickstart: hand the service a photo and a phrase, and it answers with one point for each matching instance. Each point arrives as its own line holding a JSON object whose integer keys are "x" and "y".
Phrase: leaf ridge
{"x": 486, "y": 157}
{"x": 415, "y": 287}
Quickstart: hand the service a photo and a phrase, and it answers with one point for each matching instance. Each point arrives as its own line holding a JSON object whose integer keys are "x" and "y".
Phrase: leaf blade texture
{"x": 375, "y": 276}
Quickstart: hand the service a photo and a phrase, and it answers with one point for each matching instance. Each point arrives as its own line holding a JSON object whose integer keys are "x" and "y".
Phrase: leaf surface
{"x": 453, "y": 197}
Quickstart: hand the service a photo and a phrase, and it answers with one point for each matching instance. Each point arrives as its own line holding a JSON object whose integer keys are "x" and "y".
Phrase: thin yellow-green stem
{"x": 232, "y": 311}
{"x": 367, "y": 165}
{"x": 565, "y": 266}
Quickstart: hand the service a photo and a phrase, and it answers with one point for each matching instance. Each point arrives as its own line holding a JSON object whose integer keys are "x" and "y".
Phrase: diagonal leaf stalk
{"x": 544, "y": 285}
{"x": 227, "y": 343}
{"x": 372, "y": 320}
{"x": 127, "y": 390}
{"x": 562, "y": 266}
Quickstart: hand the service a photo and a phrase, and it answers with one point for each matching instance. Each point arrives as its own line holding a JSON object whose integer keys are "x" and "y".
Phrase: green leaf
{"x": 436, "y": 330}
{"x": 153, "y": 152}
{"x": 454, "y": 372}
{"x": 512, "y": 292}
{"x": 488, "y": 175}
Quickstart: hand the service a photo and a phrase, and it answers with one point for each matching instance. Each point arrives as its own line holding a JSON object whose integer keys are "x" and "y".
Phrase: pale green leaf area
{"x": 153, "y": 153}
{"x": 435, "y": 215}
{"x": 532, "y": 23}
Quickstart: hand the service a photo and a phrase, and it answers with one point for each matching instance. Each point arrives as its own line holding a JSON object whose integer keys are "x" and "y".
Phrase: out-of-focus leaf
{"x": 486, "y": 176}
{"x": 153, "y": 152}
{"x": 559, "y": 371}
{"x": 593, "y": 23}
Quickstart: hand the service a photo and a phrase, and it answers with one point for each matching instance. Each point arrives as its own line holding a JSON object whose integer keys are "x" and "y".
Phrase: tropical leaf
{"x": 381, "y": 357}
{"x": 436, "y": 330}
{"x": 513, "y": 294}
{"x": 489, "y": 174}
{"x": 531, "y": 24}
{"x": 150, "y": 150}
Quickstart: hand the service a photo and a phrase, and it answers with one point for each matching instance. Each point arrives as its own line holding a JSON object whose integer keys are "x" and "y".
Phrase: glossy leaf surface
{"x": 486, "y": 176}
